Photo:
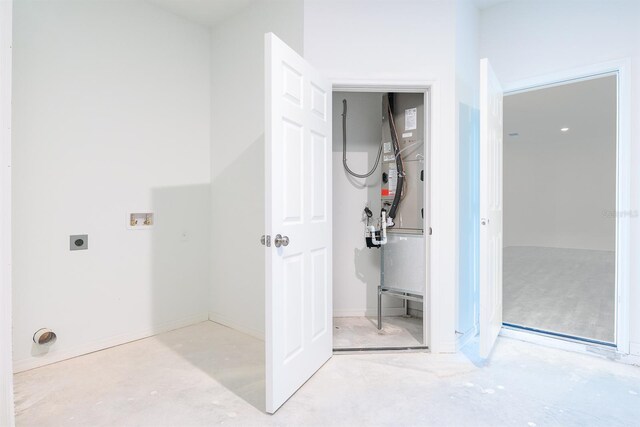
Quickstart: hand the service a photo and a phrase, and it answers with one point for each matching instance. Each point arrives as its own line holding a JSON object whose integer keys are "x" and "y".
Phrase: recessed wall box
{"x": 140, "y": 220}
{"x": 78, "y": 242}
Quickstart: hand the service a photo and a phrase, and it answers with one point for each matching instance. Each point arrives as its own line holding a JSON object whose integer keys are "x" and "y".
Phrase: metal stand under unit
{"x": 402, "y": 269}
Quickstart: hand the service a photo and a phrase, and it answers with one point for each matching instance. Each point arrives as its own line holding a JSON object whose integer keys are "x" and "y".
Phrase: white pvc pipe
{"x": 383, "y": 230}
{"x": 383, "y": 221}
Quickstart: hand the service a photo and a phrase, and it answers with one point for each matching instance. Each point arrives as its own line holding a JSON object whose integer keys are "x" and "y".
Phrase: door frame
{"x": 432, "y": 319}
{"x": 623, "y": 267}
{"x": 6, "y": 334}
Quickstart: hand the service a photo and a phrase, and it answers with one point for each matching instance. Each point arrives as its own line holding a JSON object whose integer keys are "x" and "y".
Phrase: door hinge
{"x": 265, "y": 240}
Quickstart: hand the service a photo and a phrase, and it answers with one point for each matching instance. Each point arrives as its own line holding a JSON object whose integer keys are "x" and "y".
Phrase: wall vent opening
{"x": 44, "y": 336}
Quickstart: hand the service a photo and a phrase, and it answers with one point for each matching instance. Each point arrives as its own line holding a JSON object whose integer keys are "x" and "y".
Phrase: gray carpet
{"x": 570, "y": 291}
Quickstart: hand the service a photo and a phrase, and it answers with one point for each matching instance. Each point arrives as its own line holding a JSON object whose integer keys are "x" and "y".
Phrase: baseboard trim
{"x": 225, "y": 321}
{"x": 102, "y": 344}
{"x": 6, "y": 400}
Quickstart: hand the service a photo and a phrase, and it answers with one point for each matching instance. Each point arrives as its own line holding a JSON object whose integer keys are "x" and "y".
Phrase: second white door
{"x": 490, "y": 208}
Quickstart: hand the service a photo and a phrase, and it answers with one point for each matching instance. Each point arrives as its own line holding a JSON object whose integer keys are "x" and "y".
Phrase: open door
{"x": 490, "y": 208}
{"x": 299, "y": 329}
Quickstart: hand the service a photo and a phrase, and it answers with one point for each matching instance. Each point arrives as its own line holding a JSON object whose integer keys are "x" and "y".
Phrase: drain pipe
{"x": 383, "y": 230}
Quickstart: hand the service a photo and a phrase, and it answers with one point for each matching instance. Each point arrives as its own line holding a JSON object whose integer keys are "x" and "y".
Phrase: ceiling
{"x": 211, "y": 12}
{"x": 485, "y": 4}
{"x": 587, "y": 108}
{"x": 206, "y": 12}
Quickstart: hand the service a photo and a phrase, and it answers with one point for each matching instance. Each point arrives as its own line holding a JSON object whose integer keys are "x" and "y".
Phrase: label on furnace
{"x": 392, "y": 183}
{"x": 410, "y": 119}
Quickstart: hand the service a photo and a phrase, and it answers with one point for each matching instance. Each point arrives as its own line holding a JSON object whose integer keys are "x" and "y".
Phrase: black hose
{"x": 344, "y": 147}
{"x": 399, "y": 164}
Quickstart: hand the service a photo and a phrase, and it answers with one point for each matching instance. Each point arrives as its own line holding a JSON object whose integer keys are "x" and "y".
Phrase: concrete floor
{"x": 207, "y": 374}
{"x": 362, "y": 332}
{"x": 571, "y": 291}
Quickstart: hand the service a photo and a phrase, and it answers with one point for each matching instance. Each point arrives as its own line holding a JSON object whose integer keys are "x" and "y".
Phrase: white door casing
{"x": 490, "y": 208}
{"x": 299, "y": 328}
{"x": 6, "y": 369}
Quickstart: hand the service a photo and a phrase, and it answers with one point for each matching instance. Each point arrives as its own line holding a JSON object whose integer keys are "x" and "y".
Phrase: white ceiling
{"x": 206, "y": 12}
{"x": 484, "y": 4}
{"x": 587, "y": 108}
{"x": 211, "y": 12}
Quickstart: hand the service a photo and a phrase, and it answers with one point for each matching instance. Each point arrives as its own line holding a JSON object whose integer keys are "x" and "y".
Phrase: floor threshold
{"x": 364, "y": 350}
{"x": 566, "y": 337}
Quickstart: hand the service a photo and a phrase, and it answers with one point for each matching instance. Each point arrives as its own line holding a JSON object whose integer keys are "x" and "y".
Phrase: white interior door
{"x": 490, "y": 208}
{"x": 298, "y": 208}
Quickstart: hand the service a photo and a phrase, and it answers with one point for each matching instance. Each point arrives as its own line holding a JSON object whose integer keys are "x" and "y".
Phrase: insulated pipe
{"x": 399, "y": 164}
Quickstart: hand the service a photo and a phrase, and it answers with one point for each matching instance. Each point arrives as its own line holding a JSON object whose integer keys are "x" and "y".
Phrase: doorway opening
{"x": 380, "y": 210}
{"x": 560, "y": 209}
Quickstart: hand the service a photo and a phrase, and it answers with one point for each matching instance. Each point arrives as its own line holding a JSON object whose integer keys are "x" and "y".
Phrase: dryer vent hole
{"x": 44, "y": 336}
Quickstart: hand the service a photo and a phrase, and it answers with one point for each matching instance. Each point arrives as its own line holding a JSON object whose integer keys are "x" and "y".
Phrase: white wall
{"x": 6, "y": 368}
{"x": 524, "y": 39}
{"x": 560, "y": 187}
{"x": 237, "y": 296}
{"x": 111, "y": 114}
{"x": 356, "y": 268}
{"x": 403, "y": 40}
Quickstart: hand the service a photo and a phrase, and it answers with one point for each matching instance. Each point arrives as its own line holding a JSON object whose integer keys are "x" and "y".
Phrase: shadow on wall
{"x": 180, "y": 248}
{"x": 366, "y": 262}
{"x": 184, "y": 264}
{"x": 238, "y": 297}
{"x": 359, "y": 183}
{"x": 469, "y": 202}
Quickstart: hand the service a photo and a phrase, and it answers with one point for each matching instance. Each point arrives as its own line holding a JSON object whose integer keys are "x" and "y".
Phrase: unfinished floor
{"x": 207, "y": 374}
{"x": 362, "y": 332}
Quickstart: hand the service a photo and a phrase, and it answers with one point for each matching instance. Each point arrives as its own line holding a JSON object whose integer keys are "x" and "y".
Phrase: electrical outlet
{"x": 78, "y": 242}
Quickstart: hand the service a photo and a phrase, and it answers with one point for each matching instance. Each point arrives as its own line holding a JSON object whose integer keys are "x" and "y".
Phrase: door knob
{"x": 280, "y": 241}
